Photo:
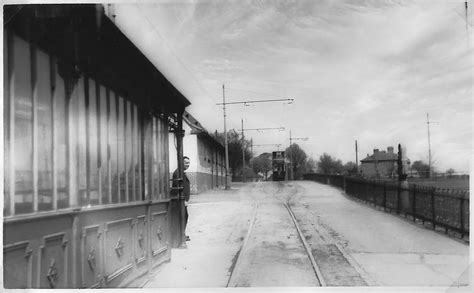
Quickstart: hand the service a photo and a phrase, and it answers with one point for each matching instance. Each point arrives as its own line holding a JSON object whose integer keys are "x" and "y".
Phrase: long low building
{"x": 206, "y": 154}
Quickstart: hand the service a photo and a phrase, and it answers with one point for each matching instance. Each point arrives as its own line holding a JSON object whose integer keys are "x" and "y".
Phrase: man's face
{"x": 186, "y": 164}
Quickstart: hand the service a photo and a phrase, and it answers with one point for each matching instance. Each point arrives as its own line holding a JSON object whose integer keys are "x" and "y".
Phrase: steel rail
{"x": 315, "y": 266}
{"x": 244, "y": 245}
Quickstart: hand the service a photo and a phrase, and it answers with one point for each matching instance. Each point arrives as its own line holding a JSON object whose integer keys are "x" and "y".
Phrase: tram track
{"x": 238, "y": 263}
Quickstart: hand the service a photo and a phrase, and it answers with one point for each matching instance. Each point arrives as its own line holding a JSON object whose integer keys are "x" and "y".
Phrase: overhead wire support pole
{"x": 291, "y": 151}
{"x": 243, "y": 153}
{"x": 428, "y": 122}
{"x": 225, "y": 142}
{"x": 225, "y": 127}
{"x": 429, "y": 144}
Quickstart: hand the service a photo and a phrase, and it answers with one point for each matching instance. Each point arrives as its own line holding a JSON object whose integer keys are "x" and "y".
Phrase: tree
{"x": 298, "y": 159}
{"x": 350, "y": 168}
{"x": 450, "y": 172}
{"x": 422, "y": 168}
{"x": 329, "y": 165}
{"x": 262, "y": 164}
{"x": 235, "y": 145}
{"x": 311, "y": 165}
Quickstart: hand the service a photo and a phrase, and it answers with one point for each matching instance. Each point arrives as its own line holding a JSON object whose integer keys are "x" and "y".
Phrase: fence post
{"x": 344, "y": 183}
{"x": 398, "y": 197}
{"x": 414, "y": 203}
{"x": 384, "y": 196}
{"x": 433, "y": 215}
{"x": 462, "y": 215}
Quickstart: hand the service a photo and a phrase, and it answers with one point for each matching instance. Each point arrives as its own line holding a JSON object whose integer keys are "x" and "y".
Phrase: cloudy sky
{"x": 357, "y": 70}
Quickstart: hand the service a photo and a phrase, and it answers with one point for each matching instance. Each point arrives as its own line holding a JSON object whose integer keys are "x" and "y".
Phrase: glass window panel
{"x": 148, "y": 157}
{"x": 6, "y": 122}
{"x": 129, "y": 150}
{"x": 121, "y": 149}
{"x": 137, "y": 156}
{"x": 164, "y": 150}
{"x": 159, "y": 148}
{"x": 156, "y": 178}
{"x": 81, "y": 142}
{"x": 166, "y": 170}
{"x": 23, "y": 128}
{"x": 103, "y": 137}
{"x": 45, "y": 133}
{"x": 93, "y": 146}
{"x": 61, "y": 133}
{"x": 113, "y": 162}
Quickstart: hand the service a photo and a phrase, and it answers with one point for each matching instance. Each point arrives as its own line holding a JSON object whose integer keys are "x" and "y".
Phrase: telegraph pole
{"x": 246, "y": 103}
{"x": 225, "y": 142}
{"x": 291, "y": 151}
{"x": 243, "y": 153}
{"x": 428, "y": 122}
{"x": 251, "y": 144}
{"x": 357, "y": 158}
{"x": 429, "y": 144}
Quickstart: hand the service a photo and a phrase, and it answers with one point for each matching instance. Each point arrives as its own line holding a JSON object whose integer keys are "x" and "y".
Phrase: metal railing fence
{"x": 445, "y": 208}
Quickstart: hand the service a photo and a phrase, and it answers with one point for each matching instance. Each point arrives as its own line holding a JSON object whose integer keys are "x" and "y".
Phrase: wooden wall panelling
{"x": 140, "y": 239}
{"x": 17, "y": 257}
{"x": 159, "y": 235}
{"x": 91, "y": 252}
{"x": 53, "y": 266}
{"x": 118, "y": 248}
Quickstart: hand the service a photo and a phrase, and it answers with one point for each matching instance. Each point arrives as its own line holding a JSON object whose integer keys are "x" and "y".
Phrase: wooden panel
{"x": 17, "y": 258}
{"x": 140, "y": 239}
{"x": 91, "y": 253}
{"x": 53, "y": 262}
{"x": 159, "y": 233}
{"x": 118, "y": 248}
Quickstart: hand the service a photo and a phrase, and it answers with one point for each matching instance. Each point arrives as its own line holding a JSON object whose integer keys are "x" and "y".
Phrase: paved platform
{"x": 218, "y": 222}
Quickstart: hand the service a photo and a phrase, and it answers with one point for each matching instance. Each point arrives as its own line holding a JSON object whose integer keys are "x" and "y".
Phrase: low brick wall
{"x": 201, "y": 182}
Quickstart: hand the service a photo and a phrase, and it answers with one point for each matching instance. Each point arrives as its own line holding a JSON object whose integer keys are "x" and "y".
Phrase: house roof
{"x": 85, "y": 42}
{"x": 196, "y": 127}
{"x": 199, "y": 130}
{"x": 380, "y": 156}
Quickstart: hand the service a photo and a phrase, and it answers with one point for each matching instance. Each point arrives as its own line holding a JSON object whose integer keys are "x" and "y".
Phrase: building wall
{"x": 79, "y": 204}
{"x": 189, "y": 150}
{"x": 206, "y": 170}
{"x": 384, "y": 168}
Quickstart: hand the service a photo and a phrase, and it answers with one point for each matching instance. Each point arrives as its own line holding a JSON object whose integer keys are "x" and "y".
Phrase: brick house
{"x": 380, "y": 164}
{"x": 206, "y": 154}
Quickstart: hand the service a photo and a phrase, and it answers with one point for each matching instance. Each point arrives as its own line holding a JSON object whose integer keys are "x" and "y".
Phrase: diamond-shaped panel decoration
{"x": 159, "y": 232}
{"x": 91, "y": 259}
{"x": 119, "y": 247}
{"x": 140, "y": 239}
{"x": 52, "y": 275}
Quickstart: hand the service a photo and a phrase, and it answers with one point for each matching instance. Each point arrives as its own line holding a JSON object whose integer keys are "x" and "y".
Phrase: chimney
{"x": 376, "y": 151}
{"x": 390, "y": 150}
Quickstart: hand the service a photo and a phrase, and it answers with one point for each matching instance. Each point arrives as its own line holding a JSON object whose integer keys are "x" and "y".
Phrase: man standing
{"x": 186, "y": 189}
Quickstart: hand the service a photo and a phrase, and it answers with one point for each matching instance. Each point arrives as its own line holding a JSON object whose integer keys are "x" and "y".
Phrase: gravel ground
{"x": 354, "y": 245}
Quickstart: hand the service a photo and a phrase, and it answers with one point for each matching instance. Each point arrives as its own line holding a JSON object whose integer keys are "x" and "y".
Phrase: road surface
{"x": 245, "y": 237}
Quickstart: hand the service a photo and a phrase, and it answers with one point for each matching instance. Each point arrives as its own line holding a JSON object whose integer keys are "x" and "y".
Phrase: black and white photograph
{"x": 277, "y": 145}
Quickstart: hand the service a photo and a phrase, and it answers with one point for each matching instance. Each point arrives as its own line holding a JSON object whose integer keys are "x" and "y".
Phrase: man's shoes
{"x": 187, "y": 238}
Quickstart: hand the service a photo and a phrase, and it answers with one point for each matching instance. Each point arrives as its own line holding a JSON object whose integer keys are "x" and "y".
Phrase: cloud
{"x": 367, "y": 70}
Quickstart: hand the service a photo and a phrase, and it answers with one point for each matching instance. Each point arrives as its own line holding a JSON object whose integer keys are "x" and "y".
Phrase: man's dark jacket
{"x": 186, "y": 187}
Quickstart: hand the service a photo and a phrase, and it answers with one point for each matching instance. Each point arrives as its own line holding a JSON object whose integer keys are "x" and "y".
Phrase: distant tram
{"x": 279, "y": 166}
